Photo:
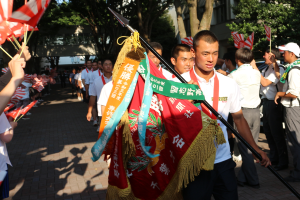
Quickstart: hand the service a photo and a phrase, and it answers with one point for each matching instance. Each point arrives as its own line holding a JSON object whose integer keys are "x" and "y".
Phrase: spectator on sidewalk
{"x": 72, "y": 80}
{"x": 248, "y": 80}
{"x": 272, "y": 112}
{"x": 290, "y": 100}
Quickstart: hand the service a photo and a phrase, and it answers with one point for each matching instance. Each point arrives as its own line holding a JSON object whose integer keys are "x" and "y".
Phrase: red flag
{"x": 4, "y": 70}
{"x": 249, "y": 41}
{"x": 188, "y": 41}
{"x": 4, "y": 31}
{"x": 14, "y": 114}
{"x": 238, "y": 39}
{"x": 9, "y": 107}
{"x": 268, "y": 32}
{"x": 18, "y": 95}
{"x": 28, "y": 107}
{"x": 16, "y": 29}
{"x": 6, "y": 7}
{"x": 30, "y": 13}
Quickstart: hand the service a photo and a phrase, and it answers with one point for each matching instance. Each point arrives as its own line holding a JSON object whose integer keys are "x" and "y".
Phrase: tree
{"x": 196, "y": 24}
{"x": 281, "y": 16}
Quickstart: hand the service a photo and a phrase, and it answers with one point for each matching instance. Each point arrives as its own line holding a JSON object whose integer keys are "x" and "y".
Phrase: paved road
{"x": 51, "y": 156}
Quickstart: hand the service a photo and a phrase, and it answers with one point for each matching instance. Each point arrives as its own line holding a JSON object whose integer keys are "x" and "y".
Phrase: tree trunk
{"x": 194, "y": 21}
{"x": 181, "y": 28}
{"x": 207, "y": 15}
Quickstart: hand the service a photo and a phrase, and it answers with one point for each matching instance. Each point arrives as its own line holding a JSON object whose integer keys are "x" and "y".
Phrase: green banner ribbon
{"x": 171, "y": 88}
{"x": 289, "y": 67}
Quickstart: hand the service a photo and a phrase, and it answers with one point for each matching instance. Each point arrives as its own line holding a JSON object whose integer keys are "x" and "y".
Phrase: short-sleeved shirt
{"x": 86, "y": 75}
{"x": 96, "y": 88}
{"x": 292, "y": 86}
{"x": 4, "y": 159}
{"x": 72, "y": 78}
{"x": 271, "y": 90}
{"x": 231, "y": 98}
{"x": 26, "y": 89}
{"x": 248, "y": 80}
{"x": 79, "y": 79}
{"x": 76, "y": 77}
{"x": 104, "y": 95}
{"x": 94, "y": 75}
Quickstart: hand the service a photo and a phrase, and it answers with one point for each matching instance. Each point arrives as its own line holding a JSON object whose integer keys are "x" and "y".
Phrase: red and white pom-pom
{"x": 249, "y": 41}
{"x": 4, "y": 70}
{"x": 18, "y": 95}
{"x": 188, "y": 41}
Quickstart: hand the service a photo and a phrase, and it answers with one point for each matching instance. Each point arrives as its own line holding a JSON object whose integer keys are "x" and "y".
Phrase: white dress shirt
{"x": 248, "y": 80}
{"x": 292, "y": 85}
{"x": 231, "y": 102}
{"x": 271, "y": 90}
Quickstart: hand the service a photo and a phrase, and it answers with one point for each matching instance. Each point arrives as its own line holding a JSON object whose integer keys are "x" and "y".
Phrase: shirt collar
{"x": 202, "y": 80}
{"x": 246, "y": 66}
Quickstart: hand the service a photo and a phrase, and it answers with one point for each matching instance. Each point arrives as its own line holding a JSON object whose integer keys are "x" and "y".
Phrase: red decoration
{"x": 6, "y": 7}
{"x": 268, "y": 32}
{"x": 249, "y": 41}
{"x": 188, "y": 41}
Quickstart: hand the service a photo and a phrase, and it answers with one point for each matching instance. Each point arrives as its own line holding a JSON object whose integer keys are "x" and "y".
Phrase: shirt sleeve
{"x": 83, "y": 74}
{"x": 272, "y": 77}
{"x": 236, "y": 99}
{"x": 93, "y": 91}
{"x": 4, "y": 124}
{"x": 294, "y": 82}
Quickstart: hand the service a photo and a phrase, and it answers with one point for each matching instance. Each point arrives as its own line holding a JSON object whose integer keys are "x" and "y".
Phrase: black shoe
{"x": 257, "y": 186}
{"x": 291, "y": 179}
{"x": 281, "y": 167}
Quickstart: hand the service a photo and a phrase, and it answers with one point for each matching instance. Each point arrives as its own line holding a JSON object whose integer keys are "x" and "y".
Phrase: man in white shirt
{"x": 221, "y": 181}
{"x": 156, "y": 61}
{"x": 182, "y": 58}
{"x": 96, "y": 87}
{"x": 248, "y": 80}
{"x": 272, "y": 113}
{"x": 290, "y": 100}
{"x": 85, "y": 77}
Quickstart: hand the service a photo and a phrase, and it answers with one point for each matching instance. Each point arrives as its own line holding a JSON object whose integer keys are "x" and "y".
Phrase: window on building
{"x": 220, "y": 11}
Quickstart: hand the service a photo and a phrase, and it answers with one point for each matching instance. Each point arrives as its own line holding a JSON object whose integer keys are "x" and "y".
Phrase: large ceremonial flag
{"x": 162, "y": 142}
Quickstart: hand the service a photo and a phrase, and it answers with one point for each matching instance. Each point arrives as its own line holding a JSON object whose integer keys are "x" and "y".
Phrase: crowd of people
{"x": 236, "y": 91}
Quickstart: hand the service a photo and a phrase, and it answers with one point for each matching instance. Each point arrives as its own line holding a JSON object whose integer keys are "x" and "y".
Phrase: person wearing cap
{"x": 290, "y": 100}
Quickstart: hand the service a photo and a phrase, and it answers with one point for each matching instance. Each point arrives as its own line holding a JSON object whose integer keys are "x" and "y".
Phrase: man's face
{"x": 288, "y": 56}
{"x": 100, "y": 65}
{"x": 89, "y": 64}
{"x": 107, "y": 66}
{"x": 153, "y": 58}
{"x": 94, "y": 66}
{"x": 184, "y": 62}
{"x": 267, "y": 58}
{"x": 74, "y": 71}
{"x": 206, "y": 55}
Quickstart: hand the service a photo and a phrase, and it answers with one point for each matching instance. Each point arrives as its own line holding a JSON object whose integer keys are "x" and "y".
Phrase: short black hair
{"x": 88, "y": 61}
{"x": 205, "y": 35}
{"x": 230, "y": 56}
{"x": 274, "y": 51}
{"x": 245, "y": 55}
{"x": 156, "y": 46}
{"x": 105, "y": 59}
{"x": 178, "y": 48}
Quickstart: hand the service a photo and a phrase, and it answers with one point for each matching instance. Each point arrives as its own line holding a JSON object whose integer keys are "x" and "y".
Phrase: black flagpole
{"x": 256, "y": 154}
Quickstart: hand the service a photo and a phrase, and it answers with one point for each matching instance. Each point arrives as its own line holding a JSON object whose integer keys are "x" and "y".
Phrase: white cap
{"x": 292, "y": 47}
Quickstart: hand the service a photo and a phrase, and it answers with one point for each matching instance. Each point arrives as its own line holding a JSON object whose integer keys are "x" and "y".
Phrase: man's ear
{"x": 173, "y": 61}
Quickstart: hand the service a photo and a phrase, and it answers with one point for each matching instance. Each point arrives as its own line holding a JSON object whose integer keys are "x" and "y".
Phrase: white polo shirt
{"x": 95, "y": 74}
{"x": 271, "y": 90}
{"x": 104, "y": 95}
{"x": 96, "y": 89}
{"x": 292, "y": 85}
{"x": 4, "y": 159}
{"x": 86, "y": 74}
{"x": 79, "y": 79}
{"x": 248, "y": 80}
{"x": 229, "y": 90}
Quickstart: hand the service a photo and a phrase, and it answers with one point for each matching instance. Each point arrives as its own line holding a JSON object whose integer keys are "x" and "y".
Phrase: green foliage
{"x": 282, "y": 16}
{"x": 163, "y": 31}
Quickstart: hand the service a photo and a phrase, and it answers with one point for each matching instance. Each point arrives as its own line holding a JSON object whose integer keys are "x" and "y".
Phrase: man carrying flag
{"x": 224, "y": 95}
{"x": 290, "y": 100}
